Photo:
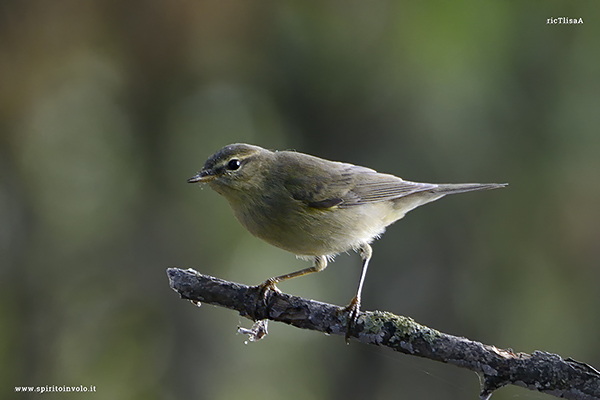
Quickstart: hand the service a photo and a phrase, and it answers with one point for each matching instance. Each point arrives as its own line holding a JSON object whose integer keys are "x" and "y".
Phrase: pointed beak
{"x": 202, "y": 177}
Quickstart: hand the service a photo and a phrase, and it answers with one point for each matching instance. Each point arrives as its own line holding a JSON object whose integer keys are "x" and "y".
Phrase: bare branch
{"x": 541, "y": 371}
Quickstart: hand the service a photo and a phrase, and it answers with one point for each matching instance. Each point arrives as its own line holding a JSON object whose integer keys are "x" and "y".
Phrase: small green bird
{"x": 313, "y": 207}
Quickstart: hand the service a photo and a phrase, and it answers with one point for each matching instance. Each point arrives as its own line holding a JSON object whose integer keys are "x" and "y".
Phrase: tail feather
{"x": 433, "y": 192}
{"x": 449, "y": 188}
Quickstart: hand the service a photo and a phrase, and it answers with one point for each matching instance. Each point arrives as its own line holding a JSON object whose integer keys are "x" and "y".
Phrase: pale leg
{"x": 353, "y": 308}
{"x": 319, "y": 264}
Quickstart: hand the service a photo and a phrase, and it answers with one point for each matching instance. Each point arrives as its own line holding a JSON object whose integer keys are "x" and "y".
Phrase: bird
{"x": 313, "y": 207}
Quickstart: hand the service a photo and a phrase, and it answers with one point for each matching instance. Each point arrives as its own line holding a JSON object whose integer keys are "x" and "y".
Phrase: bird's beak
{"x": 202, "y": 177}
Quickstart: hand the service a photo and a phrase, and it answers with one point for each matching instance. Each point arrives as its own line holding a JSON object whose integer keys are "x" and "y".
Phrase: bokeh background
{"x": 107, "y": 107}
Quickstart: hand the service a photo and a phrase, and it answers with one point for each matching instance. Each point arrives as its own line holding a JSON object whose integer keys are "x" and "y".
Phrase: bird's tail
{"x": 431, "y": 192}
{"x": 449, "y": 188}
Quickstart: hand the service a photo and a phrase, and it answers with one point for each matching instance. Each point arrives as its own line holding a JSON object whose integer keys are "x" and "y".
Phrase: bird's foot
{"x": 266, "y": 287}
{"x": 353, "y": 309}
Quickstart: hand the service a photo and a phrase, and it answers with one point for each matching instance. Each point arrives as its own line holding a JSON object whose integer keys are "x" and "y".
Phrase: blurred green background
{"x": 107, "y": 107}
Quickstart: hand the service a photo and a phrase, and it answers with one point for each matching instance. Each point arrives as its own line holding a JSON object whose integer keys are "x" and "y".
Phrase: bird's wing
{"x": 317, "y": 191}
{"x": 347, "y": 185}
{"x": 371, "y": 187}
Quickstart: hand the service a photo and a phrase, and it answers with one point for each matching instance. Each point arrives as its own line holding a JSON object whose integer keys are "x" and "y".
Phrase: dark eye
{"x": 234, "y": 164}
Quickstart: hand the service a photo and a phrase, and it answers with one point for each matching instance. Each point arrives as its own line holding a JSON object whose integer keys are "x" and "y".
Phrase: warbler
{"x": 315, "y": 208}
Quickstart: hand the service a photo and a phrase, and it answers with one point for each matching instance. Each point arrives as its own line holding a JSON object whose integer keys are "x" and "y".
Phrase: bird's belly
{"x": 316, "y": 232}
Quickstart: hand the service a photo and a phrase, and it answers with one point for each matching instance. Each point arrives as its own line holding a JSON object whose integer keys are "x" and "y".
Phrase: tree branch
{"x": 541, "y": 371}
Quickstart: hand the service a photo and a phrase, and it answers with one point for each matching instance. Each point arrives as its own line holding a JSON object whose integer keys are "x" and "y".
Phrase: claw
{"x": 266, "y": 287}
{"x": 353, "y": 309}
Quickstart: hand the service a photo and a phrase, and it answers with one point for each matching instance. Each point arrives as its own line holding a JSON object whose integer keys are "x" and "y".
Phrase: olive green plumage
{"x": 314, "y": 207}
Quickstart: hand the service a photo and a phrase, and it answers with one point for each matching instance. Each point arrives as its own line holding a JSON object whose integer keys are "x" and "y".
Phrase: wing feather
{"x": 375, "y": 187}
{"x": 325, "y": 184}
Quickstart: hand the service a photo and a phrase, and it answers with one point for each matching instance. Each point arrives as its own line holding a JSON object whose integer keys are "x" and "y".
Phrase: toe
{"x": 266, "y": 287}
{"x": 353, "y": 309}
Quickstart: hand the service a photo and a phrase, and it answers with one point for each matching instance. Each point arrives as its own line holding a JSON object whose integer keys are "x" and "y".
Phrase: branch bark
{"x": 541, "y": 371}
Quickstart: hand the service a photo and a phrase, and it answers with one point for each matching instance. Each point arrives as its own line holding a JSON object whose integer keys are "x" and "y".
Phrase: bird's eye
{"x": 234, "y": 164}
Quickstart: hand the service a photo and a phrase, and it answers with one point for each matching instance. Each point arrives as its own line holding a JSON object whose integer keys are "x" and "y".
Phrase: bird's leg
{"x": 353, "y": 308}
{"x": 319, "y": 264}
